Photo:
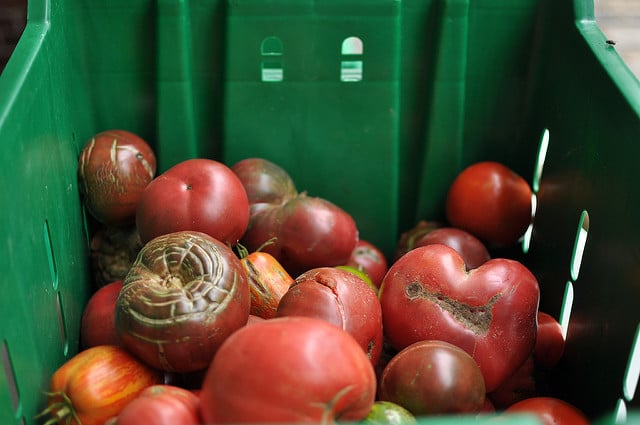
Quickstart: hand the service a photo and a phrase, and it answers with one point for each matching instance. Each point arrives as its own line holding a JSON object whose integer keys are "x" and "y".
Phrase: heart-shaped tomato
{"x": 490, "y": 312}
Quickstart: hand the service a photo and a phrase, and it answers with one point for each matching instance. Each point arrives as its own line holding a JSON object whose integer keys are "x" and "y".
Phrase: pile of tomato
{"x": 226, "y": 295}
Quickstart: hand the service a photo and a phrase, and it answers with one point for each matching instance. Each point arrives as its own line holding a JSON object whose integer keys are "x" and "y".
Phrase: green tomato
{"x": 388, "y": 413}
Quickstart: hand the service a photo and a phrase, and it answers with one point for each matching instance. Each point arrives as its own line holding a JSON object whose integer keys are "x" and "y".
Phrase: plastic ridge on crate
{"x": 374, "y": 104}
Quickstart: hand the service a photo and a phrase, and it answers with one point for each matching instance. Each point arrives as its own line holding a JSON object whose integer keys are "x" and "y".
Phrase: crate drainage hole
{"x": 632, "y": 373}
{"x": 542, "y": 155}
{"x": 567, "y": 306}
{"x": 620, "y": 413}
{"x": 579, "y": 244}
{"x": 7, "y": 366}
{"x": 526, "y": 238}
{"x": 62, "y": 324}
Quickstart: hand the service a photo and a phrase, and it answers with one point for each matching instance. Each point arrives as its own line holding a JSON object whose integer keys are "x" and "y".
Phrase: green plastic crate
{"x": 374, "y": 104}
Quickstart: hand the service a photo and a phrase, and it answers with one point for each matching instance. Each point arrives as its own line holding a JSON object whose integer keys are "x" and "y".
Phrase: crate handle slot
{"x": 351, "y": 67}
{"x": 271, "y": 50}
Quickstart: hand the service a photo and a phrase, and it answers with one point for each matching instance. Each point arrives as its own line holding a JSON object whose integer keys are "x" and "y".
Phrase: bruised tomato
{"x": 96, "y": 384}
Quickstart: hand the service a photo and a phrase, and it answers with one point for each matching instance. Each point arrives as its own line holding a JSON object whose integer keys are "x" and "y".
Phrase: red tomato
{"x": 433, "y": 377}
{"x": 199, "y": 195}
{"x": 97, "y": 326}
{"x": 96, "y": 384}
{"x": 161, "y": 405}
{"x": 184, "y": 295}
{"x": 472, "y": 250}
{"x": 550, "y": 342}
{"x": 550, "y": 411}
{"x": 341, "y": 298}
{"x": 268, "y": 282}
{"x": 490, "y": 312}
{"x": 520, "y": 385}
{"x": 370, "y": 259}
{"x": 490, "y": 201}
{"x": 308, "y": 232}
{"x": 288, "y": 369}
{"x": 114, "y": 168}
{"x": 408, "y": 239}
{"x": 266, "y": 183}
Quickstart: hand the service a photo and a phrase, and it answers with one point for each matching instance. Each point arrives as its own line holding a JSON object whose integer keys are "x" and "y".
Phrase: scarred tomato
{"x": 184, "y": 295}
{"x": 114, "y": 168}
{"x": 161, "y": 405}
{"x": 490, "y": 201}
{"x": 96, "y": 384}
{"x": 369, "y": 259}
{"x": 490, "y": 312}
{"x": 288, "y": 369}
{"x": 196, "y": 194}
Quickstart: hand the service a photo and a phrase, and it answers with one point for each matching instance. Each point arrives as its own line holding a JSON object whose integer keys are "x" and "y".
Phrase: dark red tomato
{"x": 341, "y": 298}
{"x": 408, "y": 239}
{"x": 161, "y": 405}
{"x": 472, "y": 250}
{"x": 490, "y": 201}
{"x": 114, "y": 168}
{"x": 433, "y": 377}
{"x": 288, "y": 370}
{"x": 550, "y": 342}
{"x": 490, "y": 312}
{"x": 520, "y": 385}
{"x": 184, "y": 295}
{"x": 550, "y": 411}
{"x": 266, "y": 183}
{"x": 369, "y": 259}
{"x": 307, "y": 232}
{"x": 97, "y": 326}
{"x": 96, "y": 384}
{"x": 200, "y": 195}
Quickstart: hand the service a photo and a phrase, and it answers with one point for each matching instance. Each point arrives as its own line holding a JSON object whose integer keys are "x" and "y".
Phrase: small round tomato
{"x": 388, "y": 413}
{"x": 433, "y": 377}
{"x": 97, "y": 326}
{"x": 370, "y": 259}
{"x": 194, "y": 195}
{"x": 490, "y": 201}
{"x": 114, "y": 168}
{"x": 550, "y": 411}
{"x": 472, "y": 250}
{"x": 96, "y": 384}
{"x": 288, "y": 369}
{"x": 161, "y": 405}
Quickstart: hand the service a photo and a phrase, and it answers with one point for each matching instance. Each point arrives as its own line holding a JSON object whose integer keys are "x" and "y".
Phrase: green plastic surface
{"x": 374, "y": 104}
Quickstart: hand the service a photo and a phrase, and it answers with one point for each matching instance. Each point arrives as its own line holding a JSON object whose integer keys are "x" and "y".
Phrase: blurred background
{"x": 619, "y": 20}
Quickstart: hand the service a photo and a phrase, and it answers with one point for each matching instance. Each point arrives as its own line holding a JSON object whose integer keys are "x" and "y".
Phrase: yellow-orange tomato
{"x": 96, "y": 384}
{"x": 268, "y": 282}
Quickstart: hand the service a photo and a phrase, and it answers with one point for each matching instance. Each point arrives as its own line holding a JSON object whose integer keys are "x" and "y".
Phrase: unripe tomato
{"x": 114, "y": 168}
{"x": 96, "y": 384}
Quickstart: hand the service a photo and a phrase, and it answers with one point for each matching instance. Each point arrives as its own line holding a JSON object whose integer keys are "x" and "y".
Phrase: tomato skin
{"x": 550, "y": 411}
{"x": 183, "y": 296}
{"x": 341, "y": 298}
{"x": 490, "y": 201}
{"x": 472, "y": 250}
{"x": 490, "y": 312}
{"x": 197, "y": 194}
{"x": 433, "y": 377}
{"x": 114, "y": 168}
{"x": 550, "y": 342}
{"x": 161, "y": 405}
{"x": 268, "y": 282}
{"x": 370, "y": 259}
{"x": 288, "y": 369}
{"x": 97, "y": 326}
{"x": 99, "y": 382}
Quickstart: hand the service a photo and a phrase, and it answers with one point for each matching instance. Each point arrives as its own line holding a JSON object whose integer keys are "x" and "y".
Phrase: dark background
{"x": 13, "y": 18}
